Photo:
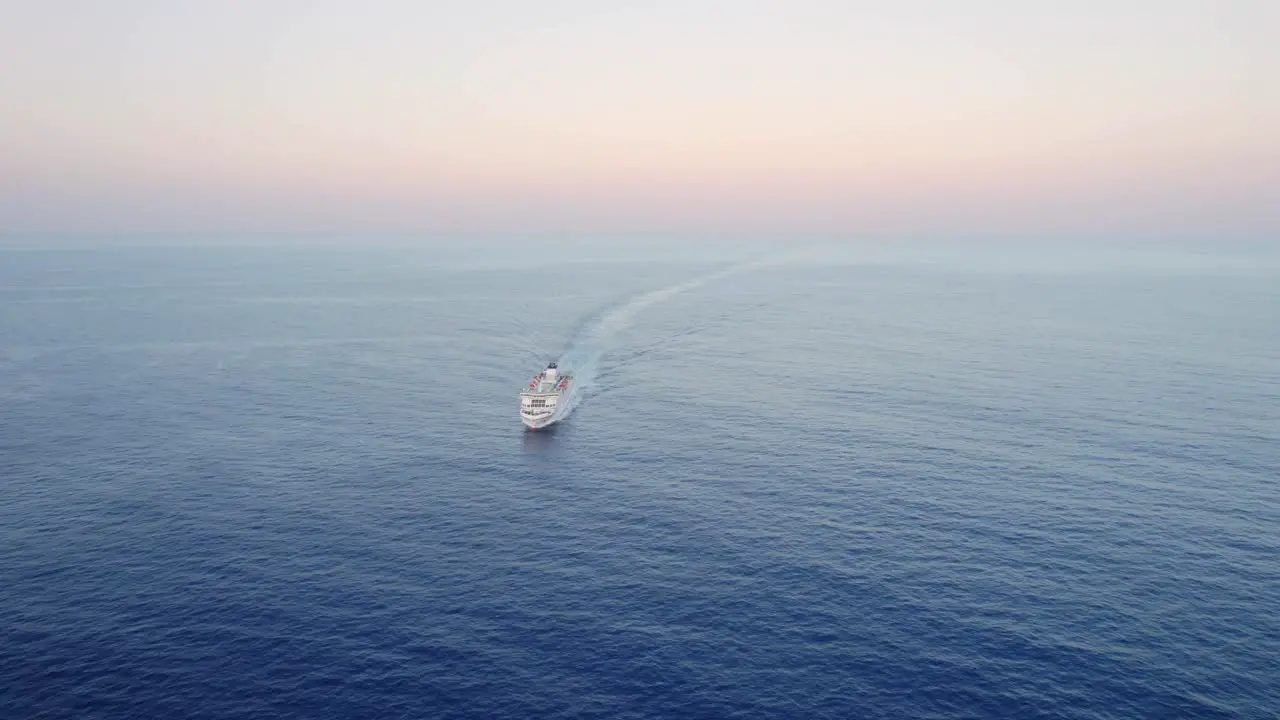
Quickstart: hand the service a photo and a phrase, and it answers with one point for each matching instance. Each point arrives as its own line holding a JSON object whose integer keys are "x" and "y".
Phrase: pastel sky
{"x": 1023, "y": 116}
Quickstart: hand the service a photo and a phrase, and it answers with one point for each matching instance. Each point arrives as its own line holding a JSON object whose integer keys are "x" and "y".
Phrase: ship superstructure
{"x": 543, "y": 401}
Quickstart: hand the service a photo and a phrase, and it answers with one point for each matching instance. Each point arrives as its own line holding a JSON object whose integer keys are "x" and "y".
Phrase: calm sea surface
{"x": 292, "y": 483}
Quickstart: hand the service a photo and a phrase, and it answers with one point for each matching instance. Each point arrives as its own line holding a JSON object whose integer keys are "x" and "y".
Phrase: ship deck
{"x": 549, "y": 388}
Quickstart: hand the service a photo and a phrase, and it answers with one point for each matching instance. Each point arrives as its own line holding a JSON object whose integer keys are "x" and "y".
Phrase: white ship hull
{"x": 537, "y": 423}
{"x": 545, "y": 400}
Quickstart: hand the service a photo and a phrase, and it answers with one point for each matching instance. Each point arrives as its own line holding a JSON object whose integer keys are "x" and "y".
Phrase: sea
{"x": 838, "y": 479}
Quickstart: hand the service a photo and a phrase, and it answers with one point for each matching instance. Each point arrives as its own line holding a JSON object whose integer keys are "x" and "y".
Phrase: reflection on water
{"x": 541, "y": 442}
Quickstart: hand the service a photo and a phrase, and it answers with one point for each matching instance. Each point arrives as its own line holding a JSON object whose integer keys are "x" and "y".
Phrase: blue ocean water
{"x": 292, "y": 483}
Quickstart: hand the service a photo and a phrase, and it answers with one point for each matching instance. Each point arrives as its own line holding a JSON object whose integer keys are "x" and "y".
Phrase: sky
{"x": 1152, "y": 117}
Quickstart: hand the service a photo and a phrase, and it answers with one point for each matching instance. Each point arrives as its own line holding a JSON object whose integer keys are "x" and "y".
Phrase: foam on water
{"x": 599, "y": 333}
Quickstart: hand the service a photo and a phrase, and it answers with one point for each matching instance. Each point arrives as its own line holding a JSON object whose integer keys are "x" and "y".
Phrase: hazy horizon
{"x": 988, "y": 119}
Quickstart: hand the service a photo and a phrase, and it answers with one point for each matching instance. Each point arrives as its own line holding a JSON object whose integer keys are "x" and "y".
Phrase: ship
{"x": 545, "y": 399}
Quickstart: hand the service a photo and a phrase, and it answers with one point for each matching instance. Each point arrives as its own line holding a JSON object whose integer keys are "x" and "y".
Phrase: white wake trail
{"x": 583, "y": 354}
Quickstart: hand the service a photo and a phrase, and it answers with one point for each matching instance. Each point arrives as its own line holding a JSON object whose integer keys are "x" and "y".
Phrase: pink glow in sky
{"x": 1130, "y": 115}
